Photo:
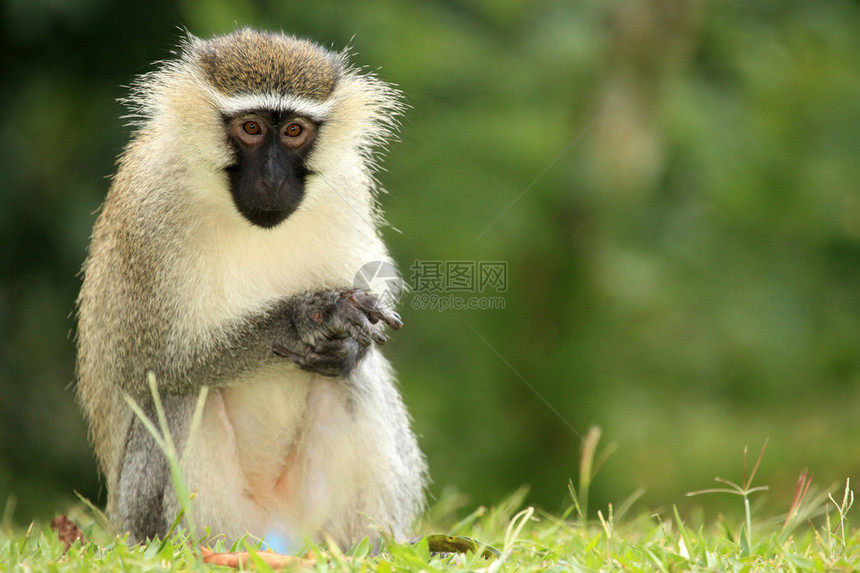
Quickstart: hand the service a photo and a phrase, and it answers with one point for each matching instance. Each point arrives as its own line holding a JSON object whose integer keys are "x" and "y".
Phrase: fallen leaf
{"x": 242, "y": 558}
{"x": 67, "y": 530}
{"x": 460, "y": 544}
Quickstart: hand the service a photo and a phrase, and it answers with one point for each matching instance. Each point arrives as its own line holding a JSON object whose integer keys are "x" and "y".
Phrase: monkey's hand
{"x": 329, "y": 331}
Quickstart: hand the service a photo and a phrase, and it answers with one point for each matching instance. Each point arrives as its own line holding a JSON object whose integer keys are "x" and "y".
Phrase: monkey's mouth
{"x": 266, "y": 203}
{"x": 268, "y": 217}
{"x": 269, "y": 210}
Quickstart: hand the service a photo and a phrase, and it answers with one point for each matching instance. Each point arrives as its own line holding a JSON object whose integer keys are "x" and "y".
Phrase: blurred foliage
{"x": 673, "y": 185}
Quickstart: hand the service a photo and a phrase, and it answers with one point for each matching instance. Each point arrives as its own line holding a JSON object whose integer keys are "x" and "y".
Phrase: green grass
{"x": 817, "y": 537}
{"x": 813, "y": 534}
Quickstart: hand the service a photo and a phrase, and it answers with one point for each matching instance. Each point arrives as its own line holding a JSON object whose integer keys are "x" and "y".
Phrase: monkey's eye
{"x": 293, "y": 130}
{"x": 248, "y": 130}
{"x": 297, "y": 132}
{"x": 252, "y": 128}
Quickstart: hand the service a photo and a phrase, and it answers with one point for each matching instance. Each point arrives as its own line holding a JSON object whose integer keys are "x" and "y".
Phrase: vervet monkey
{"x": 224, "y": 256}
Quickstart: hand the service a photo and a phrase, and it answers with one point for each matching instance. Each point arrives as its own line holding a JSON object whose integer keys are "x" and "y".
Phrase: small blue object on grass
{"x": 277, "y": 542}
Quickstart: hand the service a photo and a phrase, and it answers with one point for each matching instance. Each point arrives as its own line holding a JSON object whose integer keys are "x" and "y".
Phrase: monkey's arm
{"x": 326, "y": 331}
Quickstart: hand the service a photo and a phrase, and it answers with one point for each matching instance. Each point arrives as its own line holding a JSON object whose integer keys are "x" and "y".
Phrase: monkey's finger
{"x": 284, "y": 352}
{"x": 378, "y": 337}
{"x": 333, "y": 357}
{"x": 375, "y": 312}
{"x": 358, "y": 333}
{"x": 325, "y": 364}
{"x": 348, "y": 320}
{"x": 368, "y": 303}
{"x": 365, "y": 331}
{"x": 392, "y": 319}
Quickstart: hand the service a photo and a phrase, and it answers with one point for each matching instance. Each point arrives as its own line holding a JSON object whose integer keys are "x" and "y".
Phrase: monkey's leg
{"x": 145, "y": 498}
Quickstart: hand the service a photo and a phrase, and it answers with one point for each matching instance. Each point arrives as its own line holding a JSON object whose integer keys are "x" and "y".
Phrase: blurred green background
{"x": 674, "y": 186}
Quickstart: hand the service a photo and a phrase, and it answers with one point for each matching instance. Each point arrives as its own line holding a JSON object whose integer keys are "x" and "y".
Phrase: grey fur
{"x": 242, "y": 63}
{"x": 139, "y": 310}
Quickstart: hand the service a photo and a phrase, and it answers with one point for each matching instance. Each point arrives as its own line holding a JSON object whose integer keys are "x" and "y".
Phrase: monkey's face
{"x": 267, "y": 179}
{"x": 283, "y": 125}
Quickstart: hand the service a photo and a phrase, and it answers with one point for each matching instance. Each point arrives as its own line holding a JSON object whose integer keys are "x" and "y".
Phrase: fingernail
{"x": 395, "y": 321}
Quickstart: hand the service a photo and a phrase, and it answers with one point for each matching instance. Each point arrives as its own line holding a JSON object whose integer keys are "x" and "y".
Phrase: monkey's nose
{"x": 273, "y": 176}
{"x": 273, "y": 183}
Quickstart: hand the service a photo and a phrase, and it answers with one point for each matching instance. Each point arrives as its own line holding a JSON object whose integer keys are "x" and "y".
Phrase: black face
{"x": 267, "y": 180}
